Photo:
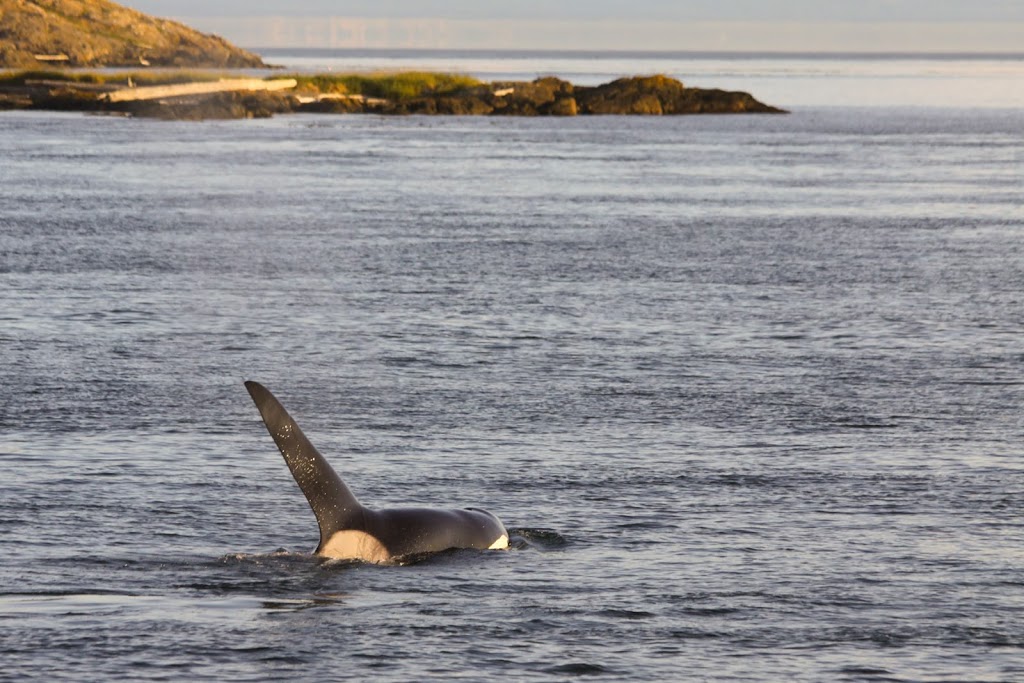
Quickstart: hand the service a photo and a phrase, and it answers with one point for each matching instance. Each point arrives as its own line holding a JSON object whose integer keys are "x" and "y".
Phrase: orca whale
{"x": 352, "y": 531}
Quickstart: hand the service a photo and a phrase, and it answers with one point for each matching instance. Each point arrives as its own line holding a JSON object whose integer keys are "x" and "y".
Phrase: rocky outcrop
{"x": 469, "y": 103}
{"x": 536, "y": 98}
{"x": 649, "y": 95}
{"x": 664, "y": 95}
{"x": 640, "y": 95}
{"x": 227, "y": 105}
{"x": 101, "y": 33}
{"x": 541, "y": 97}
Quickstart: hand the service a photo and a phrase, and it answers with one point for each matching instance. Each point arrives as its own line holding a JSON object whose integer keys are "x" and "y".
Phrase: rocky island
{"x": 38, "y": 35}
{"x": 178, "y": 95}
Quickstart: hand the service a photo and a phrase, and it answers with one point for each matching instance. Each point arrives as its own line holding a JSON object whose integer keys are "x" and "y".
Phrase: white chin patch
{"x": 500, "y": 544}
{"x": 355, "y": 545}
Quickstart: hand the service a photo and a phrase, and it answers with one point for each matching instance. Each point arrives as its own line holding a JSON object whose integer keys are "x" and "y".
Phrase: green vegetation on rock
{"x": 400, "y": 86}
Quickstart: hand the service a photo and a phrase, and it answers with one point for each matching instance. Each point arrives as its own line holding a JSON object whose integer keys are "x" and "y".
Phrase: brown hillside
{"x": 103, "y": 33}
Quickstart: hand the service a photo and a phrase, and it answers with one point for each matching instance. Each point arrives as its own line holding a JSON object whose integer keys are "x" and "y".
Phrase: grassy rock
{"x": 427, "y": 94}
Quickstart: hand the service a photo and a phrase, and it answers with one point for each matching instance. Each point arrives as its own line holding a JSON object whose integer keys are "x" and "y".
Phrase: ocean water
{"x": 748, "y": 391}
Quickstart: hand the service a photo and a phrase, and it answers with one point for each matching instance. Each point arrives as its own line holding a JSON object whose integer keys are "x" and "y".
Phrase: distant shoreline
{"x": 269, "y": 52}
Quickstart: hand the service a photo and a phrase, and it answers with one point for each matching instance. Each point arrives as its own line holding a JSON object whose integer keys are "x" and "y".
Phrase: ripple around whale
{"x": 543, "y": 540}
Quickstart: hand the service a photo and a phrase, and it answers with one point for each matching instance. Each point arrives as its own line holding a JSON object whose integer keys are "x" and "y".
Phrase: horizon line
{"x": 613, "y": 52}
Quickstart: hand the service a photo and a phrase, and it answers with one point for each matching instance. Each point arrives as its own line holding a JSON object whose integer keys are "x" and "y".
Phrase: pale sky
{"x": 731, "y": 25}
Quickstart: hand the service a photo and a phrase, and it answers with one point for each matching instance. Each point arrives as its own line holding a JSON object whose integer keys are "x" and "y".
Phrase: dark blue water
{"x": 748, "y": 391}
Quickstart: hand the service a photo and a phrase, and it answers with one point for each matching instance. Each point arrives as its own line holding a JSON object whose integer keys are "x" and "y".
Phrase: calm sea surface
{"x": 748, "y": 391}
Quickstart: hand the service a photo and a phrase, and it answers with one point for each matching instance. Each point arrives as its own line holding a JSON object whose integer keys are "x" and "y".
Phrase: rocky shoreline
{"x": 638, "y": 95}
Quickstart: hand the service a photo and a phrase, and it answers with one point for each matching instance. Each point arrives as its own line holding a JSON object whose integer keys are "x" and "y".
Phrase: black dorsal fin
{"x": 333, "y": 504}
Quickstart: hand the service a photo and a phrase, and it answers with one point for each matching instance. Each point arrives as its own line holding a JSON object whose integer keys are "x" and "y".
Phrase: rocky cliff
{"x": 102, "y": 33}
